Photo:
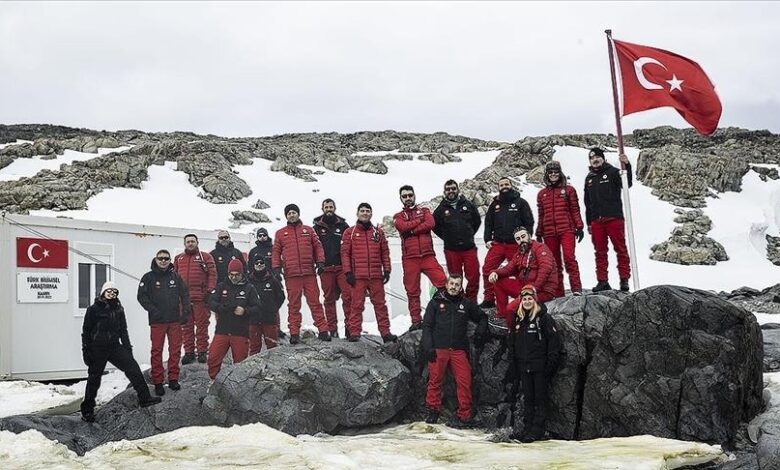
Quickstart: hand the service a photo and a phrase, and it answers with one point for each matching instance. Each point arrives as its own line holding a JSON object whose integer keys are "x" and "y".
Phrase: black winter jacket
{"x": 260, "y": 250}
{"x": 271, "y": 294}
{"x": 457, "y": 223}
{"x": 445, "y": 322}
{"x": 506, "y": 213}
{"x": 222, "y": 256}
{"x": 225, "y": 298}
{"x": 105, "y": 326}
{"x": 602, "y": 192}
{"x": 330, "y": 237}
{"x": 534, "y": 346}
{"x": 164, "y": 295}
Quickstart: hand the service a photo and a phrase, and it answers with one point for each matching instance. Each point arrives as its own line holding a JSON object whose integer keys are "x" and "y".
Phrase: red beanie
{"x": 235, "y": 266}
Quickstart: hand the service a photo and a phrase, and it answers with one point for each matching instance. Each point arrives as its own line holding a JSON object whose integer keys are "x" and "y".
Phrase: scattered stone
{"x": 766, "y": 173}
{"x": 260, "y": 204}
{"x": 242, "y": 217}
{"x": 753, "y": 300}
{"x": 688, "y": 244}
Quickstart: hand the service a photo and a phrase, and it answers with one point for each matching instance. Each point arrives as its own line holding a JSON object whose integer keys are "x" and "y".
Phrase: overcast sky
{"x": 490, "y": 70}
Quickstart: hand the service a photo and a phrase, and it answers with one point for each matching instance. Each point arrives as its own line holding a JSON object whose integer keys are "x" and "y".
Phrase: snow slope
{"x": 26, "y": 167}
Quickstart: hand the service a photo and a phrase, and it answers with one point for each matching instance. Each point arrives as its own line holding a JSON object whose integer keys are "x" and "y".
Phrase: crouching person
{"x": 163, "y": 294}
{"x": 534, "y": 351}
{"x": 104, "y": 338}
{"x": 445, "y": 345}
{"x": 234, "y": 302}
{"x": 265, "y": 326}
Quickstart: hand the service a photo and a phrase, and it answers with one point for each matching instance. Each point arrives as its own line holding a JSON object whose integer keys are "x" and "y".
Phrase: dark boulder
{"x": 312, "y": 387}
{"x": 771, "y": 334}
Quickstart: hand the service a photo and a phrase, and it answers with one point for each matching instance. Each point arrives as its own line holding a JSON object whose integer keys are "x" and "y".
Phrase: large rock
{"x": 312, "y": 387}
{"x": 224, "y": 187}
{"x": 674, "y": 362}
{"x": 753, "y": 300}
{"x": 771, "y": 335}
{"x": 689, "y": 244}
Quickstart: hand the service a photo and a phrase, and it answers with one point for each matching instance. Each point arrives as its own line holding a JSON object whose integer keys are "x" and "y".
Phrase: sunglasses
{"x": 528, "y": 297}
{"x": 553, "y": 172}
{"x": 450, "y": 190}
{"x": 262, "y": 235}
{"x": 163, "y": 258}
{"x": 112, "y": 291}
{"x": 407, "y": 196}
{"x": 259, "y": 263}
{"x": 224, "y": 238}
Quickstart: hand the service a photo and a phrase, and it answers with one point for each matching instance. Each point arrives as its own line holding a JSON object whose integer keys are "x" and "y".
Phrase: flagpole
{"x": 623, "y": 176}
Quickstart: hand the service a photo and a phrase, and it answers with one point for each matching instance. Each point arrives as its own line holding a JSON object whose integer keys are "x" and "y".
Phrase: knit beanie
{"x": 291, "y": 207}
{"x": 235, "y": 266}
{"x": 262, "y": 231}
{"x": 108, "y": 285}
{"x": 595, "y": 151}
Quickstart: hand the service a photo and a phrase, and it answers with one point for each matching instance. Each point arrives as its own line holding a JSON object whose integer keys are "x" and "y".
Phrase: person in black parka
{"x": 534, "y": 347}
{"x": 104, "y": 338}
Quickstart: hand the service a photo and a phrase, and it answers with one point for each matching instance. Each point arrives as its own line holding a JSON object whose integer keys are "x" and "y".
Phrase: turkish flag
{"x": 41, "y": 253}
{"x": 653, "y": 78}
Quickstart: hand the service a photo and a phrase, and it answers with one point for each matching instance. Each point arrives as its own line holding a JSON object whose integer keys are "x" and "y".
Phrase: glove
{"x": 351, "y": 278}
{"x": 430, "y": 355}
{"x": 579, "y": 234}
{"x": 386, "y": 277}
{"x": 480, "y": 341}
{"x": 320, "y": 268}
{"x": 277, "y": 272}
{"x": 87, "y": 356}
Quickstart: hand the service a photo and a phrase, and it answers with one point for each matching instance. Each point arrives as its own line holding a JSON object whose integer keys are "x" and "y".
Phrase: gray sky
{"x": 490, "y": 70}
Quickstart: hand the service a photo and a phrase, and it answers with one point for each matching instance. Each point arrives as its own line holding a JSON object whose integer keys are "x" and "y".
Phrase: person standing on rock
{"x": 330, "y": 228}
{"x": 534, "y": 347}
{"x": 198, "y": 271}
{"x": 414, "y": 224}
{"x": 604, "y": 215}
{"x": 235, "y": 301}
{"x": 298, "y": 253}
{"x": 266, "y": 324}
{"x": 457, "y": 220}
{"x": 533, "y": 264}
{"x": 560, "y": 223}
{"x": 506, "y": 212}
{"x": 166, "y": 298}
{"x": 445, "y": 345}
{"x": 365, "y": 258}
{"x": 104, "y": 338}
{"x": 223, "y": 253}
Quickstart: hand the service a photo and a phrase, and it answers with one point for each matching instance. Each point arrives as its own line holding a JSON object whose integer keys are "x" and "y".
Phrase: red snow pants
{"x": 376, "y": 292}
{"x": 460, "y": 262}
{"x": 304, "y": 285}
{"x": 158, "y": 333}
{"x": 565, "y": 243}
{"x": 413, "y": 267}
{"x": 334, "y": 279}
{"x": 259, "y": 332}
{"x": 613, "y": 229}
{"x": 458, "y": 362}
{"x": 238, "y": 345}
{"x": 197, "y": 328}
{"x": 496, "y": 255}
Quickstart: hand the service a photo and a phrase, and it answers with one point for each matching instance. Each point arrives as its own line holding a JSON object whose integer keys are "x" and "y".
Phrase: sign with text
{"x": 37, "y": 287}
{"x": 41, "y": 253}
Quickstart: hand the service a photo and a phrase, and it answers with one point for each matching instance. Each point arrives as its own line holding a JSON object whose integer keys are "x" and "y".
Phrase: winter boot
{"x": 324, "y": 336}
{"x": 416, "y": 326}
{"x": 148, "y": 400}
{"x": 188, "y": 358}
{"x": 295, "y": 339}
{"x": 601, "y": 286}
{"x": 88, "y": 416}
{"x": 624, "y": 285}
{"x": 527, "y": 437}
{"x": 353, "y": 338}
{"x": 282, "y": 334}
{"x": 203, "y": 357}
{"x": 174, "y": 385}
{"x": 334, "y": 334}
{"x": 457, "y": 423}
{"x": 487, "y": 304}
{"x": 389, "y": 338}
{"x": 576, "y": 293}
{"x": 159, "y": 390}
{"x": 433, "y": 417}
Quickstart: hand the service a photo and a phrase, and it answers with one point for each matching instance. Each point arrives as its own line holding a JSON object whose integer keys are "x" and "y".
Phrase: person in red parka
{"x": 198, "y": 271}
{"x": 414, "y": 225}
{"x": 296, "y": 252}
{"x": 365, "y": 258}
{"x": 533, "y": 264}
{"x": 559, "y": 223}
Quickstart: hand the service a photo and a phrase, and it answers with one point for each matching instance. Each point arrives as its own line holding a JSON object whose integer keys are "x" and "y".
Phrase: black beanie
{"x": 366, "y": 205}
{"x": 596, "y": 151}
{"x": 291, "y": 207}
{"x": 261, "y": 231}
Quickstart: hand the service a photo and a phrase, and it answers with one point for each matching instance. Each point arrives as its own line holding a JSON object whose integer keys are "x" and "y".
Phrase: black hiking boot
{"x": 353, "y": 338}
{"x": 323, "y": 336}
{"x": 457, "y": 423}
{"x": 174, "y": 385}
{"x": 416, "y": 326}
{"x": 334, "y": 334}
{"x": 203, "y": 357}
{"x": 88, "y": 416}
{"x": 295, "y": 339}
{"x": 389, "y": 338}
{"x": 159, "y": 390}
{"x": 188, "y": 358}
{"x": 148, "y": 401}
{"x": 624, "y": 285}
{"x": 433, "y": 417}
{"x": 601, "y": 286}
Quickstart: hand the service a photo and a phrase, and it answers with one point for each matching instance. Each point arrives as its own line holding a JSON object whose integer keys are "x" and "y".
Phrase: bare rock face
{"x": 260, "y": 204}
{"x": 242, "y": 217}
{"x": 689, "y": 244}
{"x": 224, "y": 187}
{"x": 440, "y": 158}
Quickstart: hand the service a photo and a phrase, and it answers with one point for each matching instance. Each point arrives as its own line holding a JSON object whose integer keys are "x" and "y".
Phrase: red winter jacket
{"x": 536, "y": 267}
{"x": 296, "y": 249}
{"x": 198, "y": 271}
{"x": 559, "y": 211}
{"x": 414, "y": 226}
{"x": 364, "y": 252}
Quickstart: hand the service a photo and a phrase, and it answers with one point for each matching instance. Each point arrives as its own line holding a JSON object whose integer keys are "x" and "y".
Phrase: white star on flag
{"x": 674, "y": 83}
{"x": 45, "y": 253}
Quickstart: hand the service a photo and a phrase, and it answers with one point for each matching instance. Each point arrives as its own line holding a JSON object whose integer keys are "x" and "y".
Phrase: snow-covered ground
{"x": 26, "y": 167}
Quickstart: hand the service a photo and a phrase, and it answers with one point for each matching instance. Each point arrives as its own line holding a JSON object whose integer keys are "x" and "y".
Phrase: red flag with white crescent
{"x": 653, "y": 78}
{"x": 41, "y": 253}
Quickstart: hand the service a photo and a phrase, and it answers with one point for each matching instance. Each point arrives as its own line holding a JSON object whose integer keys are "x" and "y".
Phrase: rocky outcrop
{"x": 224, "y": 187}
{"x": 440, "y": 158}
{"x": 771, "y": 338}
{"x": 260, "y": 204}
{"x": 753, "y": 300}
{"x": 244, "y": 217}
{"x": 773, "y": 249}
{"x": 766, "y": 173}
{"x": 310, "y": 388}
{"x": 287, "y": 167}
{"x": 689, "y": 244}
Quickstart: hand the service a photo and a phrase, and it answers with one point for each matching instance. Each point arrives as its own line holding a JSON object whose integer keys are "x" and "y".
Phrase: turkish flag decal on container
{"x": 41, "y": 253}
